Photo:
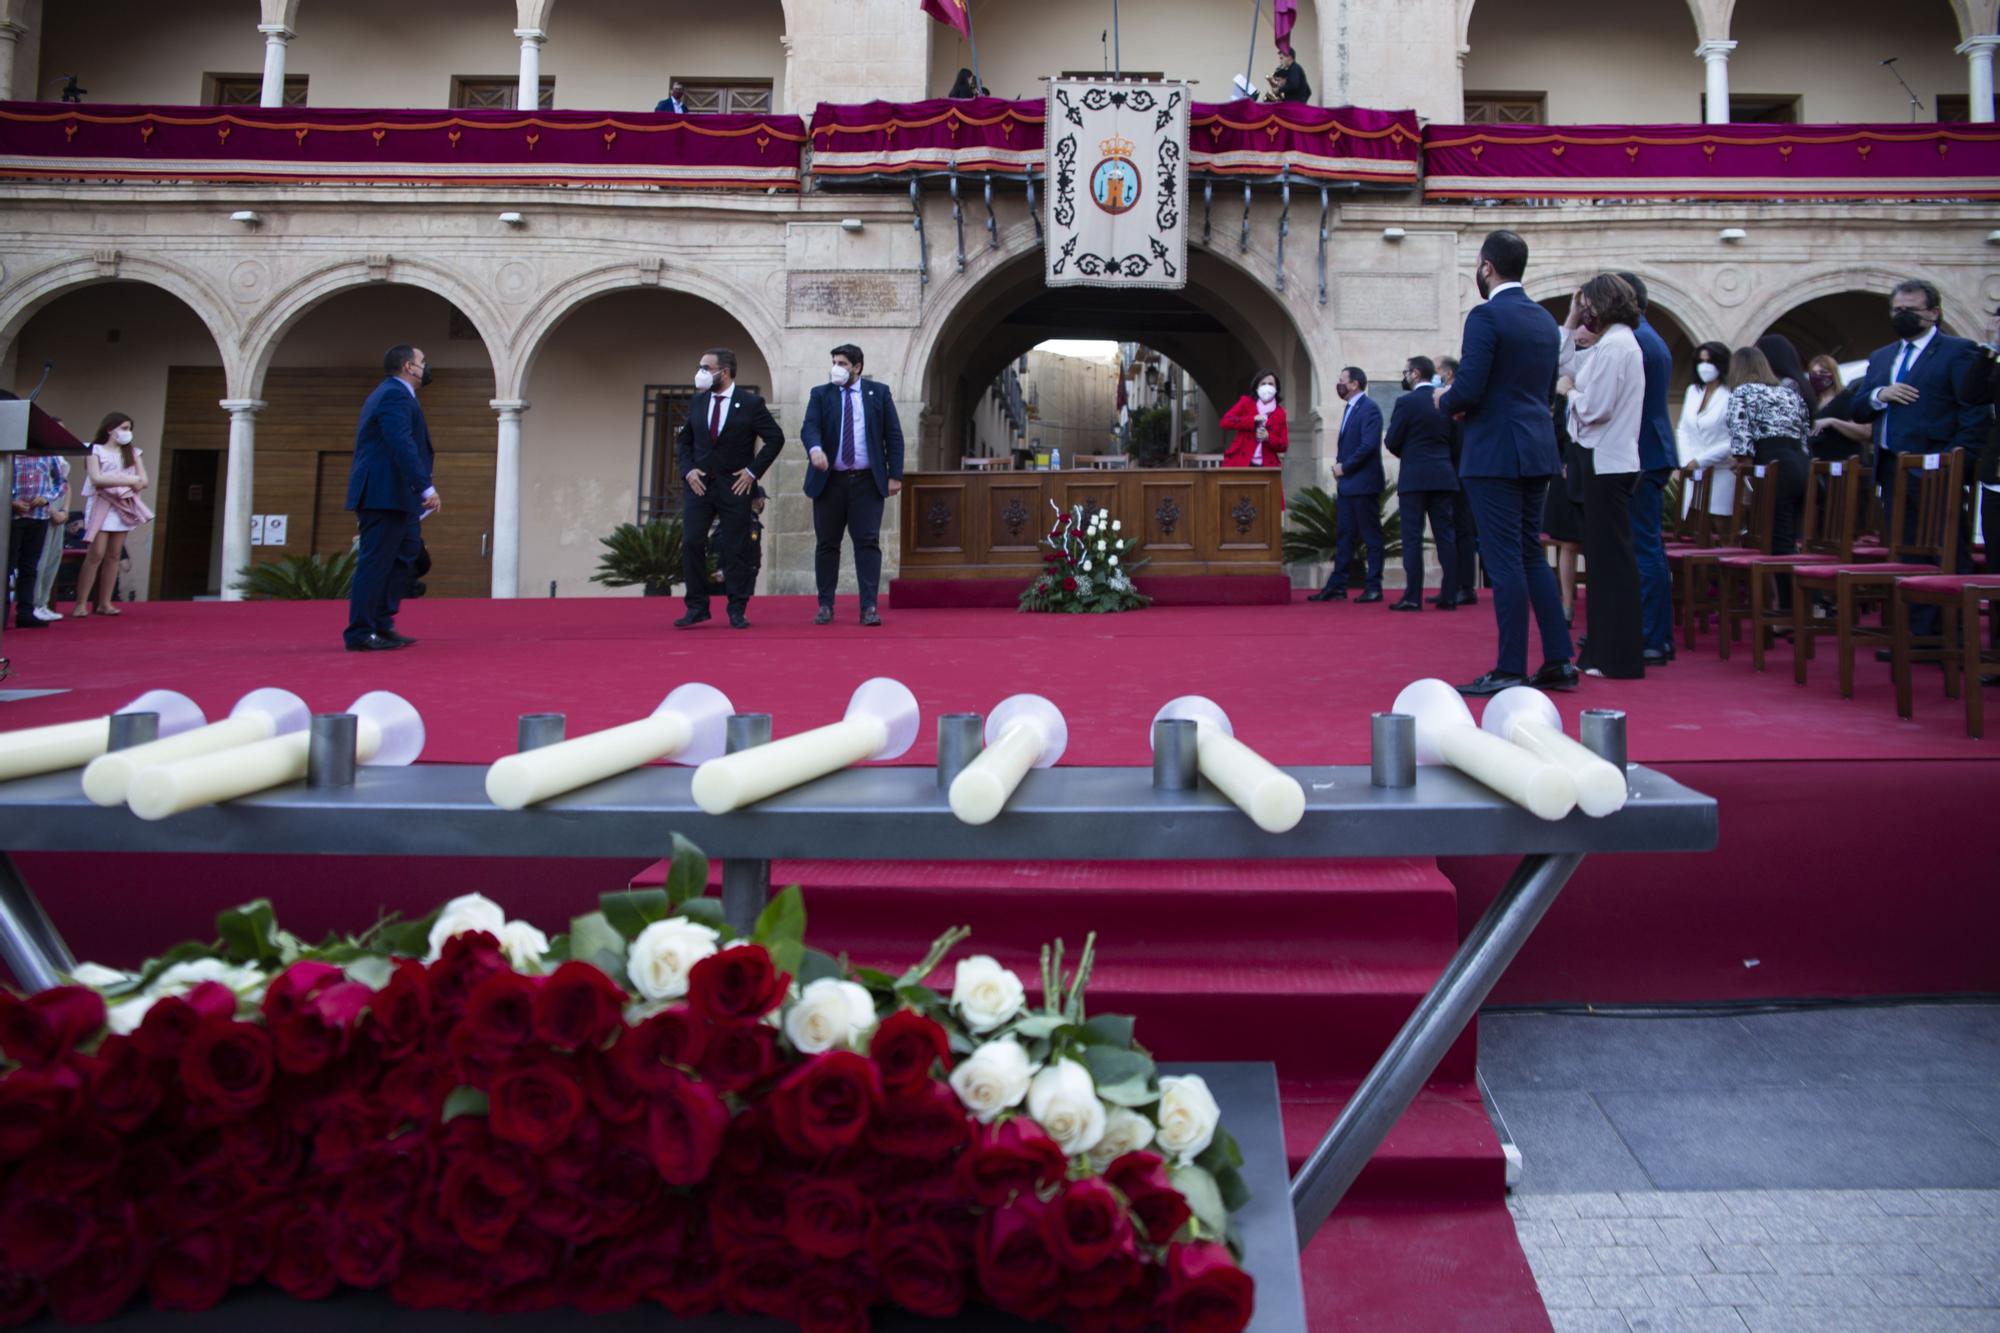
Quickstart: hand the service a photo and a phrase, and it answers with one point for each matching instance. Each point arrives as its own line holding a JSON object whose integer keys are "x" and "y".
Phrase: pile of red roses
{"x": 471, "y": 1138}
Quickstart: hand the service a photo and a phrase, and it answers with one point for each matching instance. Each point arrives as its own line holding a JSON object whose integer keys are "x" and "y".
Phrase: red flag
{"x": 951, "y": 13}
{"x": 1284, "y": 13}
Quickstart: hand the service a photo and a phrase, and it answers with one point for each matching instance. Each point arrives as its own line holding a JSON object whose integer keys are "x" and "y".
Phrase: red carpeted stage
{"x": 1850, "y": 861}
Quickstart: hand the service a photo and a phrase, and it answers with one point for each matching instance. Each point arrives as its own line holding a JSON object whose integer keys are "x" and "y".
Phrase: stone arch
{"x": 1976, "y": 17}
{"x": 1662, "y": 290}
{"x": 1711, "y": 18}
{"x": 21, "y": 299}
{"x": 1960, "y": 315}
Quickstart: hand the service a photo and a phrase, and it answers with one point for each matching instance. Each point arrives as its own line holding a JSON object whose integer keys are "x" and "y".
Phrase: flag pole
{"x": 978, "y": 81}
{"x": 1117, "y": 60}
{"x": 1250, "y": 61}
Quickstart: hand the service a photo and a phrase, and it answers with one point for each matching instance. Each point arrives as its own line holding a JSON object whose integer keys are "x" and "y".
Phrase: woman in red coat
{"x": 1259, "y": 422}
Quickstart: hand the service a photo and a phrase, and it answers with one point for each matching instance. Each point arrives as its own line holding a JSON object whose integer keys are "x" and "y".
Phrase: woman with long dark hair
{"x": 1834, "y": 436}
{"x": 1786, "y": 365}
{"x": 1259, "y": 422}
{"x": 1702, "y": 438}
{"x": 1604, "y": 374}
{"x": 112, "y": 508}
{"x": 1768, "y": 421}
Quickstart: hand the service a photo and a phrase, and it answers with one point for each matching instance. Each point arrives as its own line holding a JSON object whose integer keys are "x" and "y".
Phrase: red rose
{"x": 165, "y": 1030}
{"x": 684, "y": 1129}
{"x": 739, "y": 1056}
{"x": 1103, "y": 1287}
{"x": 833, "y": 1298}
{"x": 697, "y": 1286}
{"x": 48, "y": 1023}
{"x": 367, "y": 1250}
{"x": 1087, "y": 1224}
{"x": 500, "y": 1011}
{"x": 1142, "y": 1178}
{"x": 1206, "y": 1291}
{"x": 125, "y": 1087}
{"x": 1069, "y": 585}
{"x": 192, "y": 1271}
{"x": 388, "y": 1185}
{"x": 578, "y": 1006}
{"x": 400, "y": 1013}
{"x": 921, "y": 1273}
{"x": 653, "y": 1054}
{"x": 33, "y": 1105}
{"x": 1131, "y": 1310}
{"x": 416, "y": 1088}
{"x": 1017, "y": 1270}
{"x": 314, "y": 1030}
{"x": 736, "y": 984}
{"x": 1015, "y": 1156}
{"x": 302, "y": 1263}
{"x": 534, "y": 1105}
{"x": 481, "y": 1197}
{"x": 748, "y": 1210}
{"x": 441, "y": 1277}
{"x": 623, "y": 1182}
{"x": 227, "y": 1065}
{"x": 906, "y": 1045}
{"x": 21, "y": 1299}
{"x": 827, "y": 1218}
{"x": 525, "y": 1256}
{"x": 41, "y": 1235}
{"x": 824, "y": 1105}
{"x": 78, "y": 1156}
{"x": 609, "y": 1088}
{"x": 291, "y": 990}
{"x": 761, "y": 1280}
{"x": 350, "y": 1130}
{"x": 465, "y": 961}
{"x": 104, "y": 1276}
{"x": 926, "y": 1124}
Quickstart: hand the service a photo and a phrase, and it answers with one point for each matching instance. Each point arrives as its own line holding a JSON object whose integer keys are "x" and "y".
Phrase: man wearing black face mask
{"x": 389, "y": 489}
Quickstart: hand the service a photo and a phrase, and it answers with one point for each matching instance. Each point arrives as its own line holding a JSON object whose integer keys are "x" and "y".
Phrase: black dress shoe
{"x": 1406, "y": 604}
{"x": 1444, "y": 606}
{"x": 1492, "y": 683}
{"x": 1370, "y": 597}
{"x": 1468, "y": 599}
{"x": 1556, "y": 676}
{"x": 374, "y": 643}
{"x": 1329, "y": 595}
{"x": 400, "y": 640}
{"x": 1439, "y": 600}
{"x": 691, "y": 619}
{"x": 824, "y": 616}
{"x": 737, "y": 620}
{"x": 31, "y": 623}
{"x": 1653, "y": 657}
{"x": 871, "y": 617}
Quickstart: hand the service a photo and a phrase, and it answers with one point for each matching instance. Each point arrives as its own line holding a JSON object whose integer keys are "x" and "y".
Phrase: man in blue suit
{"x": 1357, "y": 468}
{"x": 389, "y": 489}
{"x": 855, "y": 442}
{"x": 1505, "y": 384}
{"x": 1658, "y": 456}
{"x": 1425, "y": 440}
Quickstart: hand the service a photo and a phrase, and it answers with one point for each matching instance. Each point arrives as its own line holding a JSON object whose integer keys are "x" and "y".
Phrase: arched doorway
{"x": 610, "y": 383}
{"x": 129, "y": 347}
{"x": 1846, "y": 326}
{"x": 1680, "y": 343}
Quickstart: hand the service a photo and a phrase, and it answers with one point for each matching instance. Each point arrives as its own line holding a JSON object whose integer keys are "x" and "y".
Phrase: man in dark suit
{"x": 1357, "y": 470}
{"x": 675, "y": 102}
{"x": 389, "y": 489}
{"x": 1463, "y": 530}
{"x": 1423, "y": 438}
{"x": 720, "y": 467}
{"x": 1658, "y": 456}
{"x": 1289, "y": 84}
{"x": 855, "y": 443}
{"x": 1506, "y": 379}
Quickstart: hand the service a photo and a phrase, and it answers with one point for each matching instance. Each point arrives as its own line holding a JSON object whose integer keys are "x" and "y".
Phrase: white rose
{"x": 985, "y": 993}
{"x": 1125, "y": 1130}
{"x": 660, "y": 959}
{"x": 830, "y": 1012}
{"x": 993, "y": 1078}
{"x": 1188, "y": 1117}
{"x": 182, "y": 978}
{"x": 1116, "y": 525}
{"x": 523, "y": 945}
{"x": 1100, "y": 546}
{"x": 462, "y": 916}
{"x": 1063, "y": 1101}
{"x": 98, "y": 975}
{"x": 1114, "y": 562}
{"x": 124, "y": 1019}
{"x": 1086, "y": 565}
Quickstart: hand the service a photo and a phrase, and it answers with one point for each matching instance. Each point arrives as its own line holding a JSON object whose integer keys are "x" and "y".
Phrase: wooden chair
{"x": 1922, "y": 549}
{"x": 1102, "y": 462}
{"x": 1747, "y": 532}
{"x": 1959, "y": 599}
{"x": 970, "y": 464}
{"x": 1696, "y": 522}
{"x": 1201, "y": 460}
{"x": 1832, "y": 522}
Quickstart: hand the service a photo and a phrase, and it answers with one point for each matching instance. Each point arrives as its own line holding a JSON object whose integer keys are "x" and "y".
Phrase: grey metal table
{"x": 900, "y": 814}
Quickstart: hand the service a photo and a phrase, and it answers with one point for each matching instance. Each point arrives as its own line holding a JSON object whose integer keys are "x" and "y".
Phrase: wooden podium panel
{"x": 989, "y": 525}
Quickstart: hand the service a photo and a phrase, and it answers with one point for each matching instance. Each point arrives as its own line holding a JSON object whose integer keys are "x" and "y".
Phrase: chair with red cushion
{"x": 1959, "y": 598}
{"x": 1918, "y": 549}
{"x": 1750, "y": 582}
{"x": 1748, "y": 532}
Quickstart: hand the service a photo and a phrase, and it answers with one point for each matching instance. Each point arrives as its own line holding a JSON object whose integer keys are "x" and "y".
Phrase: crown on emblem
{"x": 1116, "y": 146}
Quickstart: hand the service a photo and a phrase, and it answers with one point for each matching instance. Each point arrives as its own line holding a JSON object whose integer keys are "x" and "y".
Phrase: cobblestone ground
{"x": 1766, "y": 1261}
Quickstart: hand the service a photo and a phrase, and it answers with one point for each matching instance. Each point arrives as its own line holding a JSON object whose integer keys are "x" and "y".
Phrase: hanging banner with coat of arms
{"x": 1117, "y": 184}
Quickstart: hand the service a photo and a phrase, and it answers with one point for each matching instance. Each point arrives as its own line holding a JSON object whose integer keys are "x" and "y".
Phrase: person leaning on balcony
{"x": 1604, "y": 375}
{"x": 1288, "y": 81}
{"x": 1259, "y": 422}
{"x": 1702, "y": 438}
{"x": 1834, "y": 436}
{"x": 964, "y": 86}
{"x": 675, "y": 102}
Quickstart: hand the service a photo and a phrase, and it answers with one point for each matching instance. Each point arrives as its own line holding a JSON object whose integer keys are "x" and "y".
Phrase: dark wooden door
{"x": 190, "y": 526}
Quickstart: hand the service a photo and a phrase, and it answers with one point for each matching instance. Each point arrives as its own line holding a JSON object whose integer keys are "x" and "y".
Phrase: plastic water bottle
{"x": 1055, "y": 460}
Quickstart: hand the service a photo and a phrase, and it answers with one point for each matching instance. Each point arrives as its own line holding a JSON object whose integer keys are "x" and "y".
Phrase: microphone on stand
{"x": 42, "y": 383}
{"x": 1916, "y": 103}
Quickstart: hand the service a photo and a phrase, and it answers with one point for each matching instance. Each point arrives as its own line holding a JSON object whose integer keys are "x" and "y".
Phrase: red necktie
{"x": 714, "y": 416}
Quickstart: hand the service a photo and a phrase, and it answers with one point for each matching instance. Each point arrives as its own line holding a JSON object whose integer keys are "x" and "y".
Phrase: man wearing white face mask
{"x": 856, "y": 445}
{"x": 720, "y": 466}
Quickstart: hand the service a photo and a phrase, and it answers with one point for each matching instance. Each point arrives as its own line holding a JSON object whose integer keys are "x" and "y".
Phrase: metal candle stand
{"x": 1392, "y": 808}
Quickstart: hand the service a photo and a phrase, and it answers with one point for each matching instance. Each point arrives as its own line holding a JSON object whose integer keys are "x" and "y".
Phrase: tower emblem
{"x": 1114, "y": 181}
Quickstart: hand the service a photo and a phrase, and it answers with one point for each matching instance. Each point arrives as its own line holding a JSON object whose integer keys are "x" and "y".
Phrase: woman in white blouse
{"x": 112, "y": 508}
{"x": 1605, "y": 377}
{"x": 1703, "y": 435}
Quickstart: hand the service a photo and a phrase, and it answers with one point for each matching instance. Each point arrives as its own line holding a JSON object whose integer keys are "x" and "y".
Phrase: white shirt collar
{"x": 407, "y": 385}
{"x": 1492, "y": 292}
{"x": 1921, "y": 343}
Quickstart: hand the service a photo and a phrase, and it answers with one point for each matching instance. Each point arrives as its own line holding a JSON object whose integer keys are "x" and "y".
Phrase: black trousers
{"x": 1787, "y": 466}
{"x": 1617, "y": 616}
{"x": 404, "y": 571}
{"x": 729, "y": 513}
{"x": 1465, "y": 530}
{"x": 850, "y": 504}
{"x": 1358, "y": 518}
{"x": 1439, "y": 505}
{"x": 382, "y": 535}
{"x": 24, "y": 557}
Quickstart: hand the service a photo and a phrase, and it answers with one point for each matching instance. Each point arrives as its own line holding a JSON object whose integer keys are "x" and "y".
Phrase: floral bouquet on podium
{"x": 1088, "y": 565}
{"x": 470, "y": 1115}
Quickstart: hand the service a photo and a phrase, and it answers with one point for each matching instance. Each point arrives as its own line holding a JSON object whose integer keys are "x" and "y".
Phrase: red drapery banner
{"x": 994, "y": 134}
{"x": 951, "y": 13}
{"x": 1712, "y": 161}
{"x": 310, "y": 145}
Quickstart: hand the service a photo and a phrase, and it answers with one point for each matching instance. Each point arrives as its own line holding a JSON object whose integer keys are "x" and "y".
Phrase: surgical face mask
{"x": 1707, "y": 372}
{"x": 1908, "y": 323}
{"x": 123, "y": 435}
{"x": 1820, "y": 380}
{"x": 1343, "y": 390}
{"x": 703, "y": 378}
{"x": 1267, "y": 392}
{"x": 838, "y": 374}
{"x": 424, "y": 379}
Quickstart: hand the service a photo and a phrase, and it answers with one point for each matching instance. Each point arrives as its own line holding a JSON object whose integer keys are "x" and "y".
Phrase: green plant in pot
{"x": 646, "y": 554}
{"x": 299, "y": 578}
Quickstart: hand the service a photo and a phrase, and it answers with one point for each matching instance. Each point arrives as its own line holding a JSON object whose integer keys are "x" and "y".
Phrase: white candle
{"x": 1528, "y": 718}
{"x": 980, "y": 791}
{"x": 169, "y": 789}
{"x": 519, "y": 780}
{"x": 748, "y": 776}
{"x": 1523, "y": 778}
{"x": 72, "y": 744}
{"x": 109, "y": 777}
{"x": 1273, "y": 799}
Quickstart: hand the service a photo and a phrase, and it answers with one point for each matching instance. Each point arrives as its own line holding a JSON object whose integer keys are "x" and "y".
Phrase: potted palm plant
{"x": 646, "y": 554}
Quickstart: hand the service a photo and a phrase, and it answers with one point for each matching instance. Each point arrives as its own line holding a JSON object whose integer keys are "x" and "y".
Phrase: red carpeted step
{"x": 1443, "y": 1149}
{"x": 1390, "y": 1266}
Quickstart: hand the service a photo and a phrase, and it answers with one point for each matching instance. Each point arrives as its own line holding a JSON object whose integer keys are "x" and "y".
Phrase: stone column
{"x": 11, "y": 34}
{"x": 238, "y": 495}
{"x": 530, "y": 95}
{"x": 1716, "y": 56}
{"x": 276, "y": 38}
{"x": 1978, "y": 53}
{"x": 507, "y": 499}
